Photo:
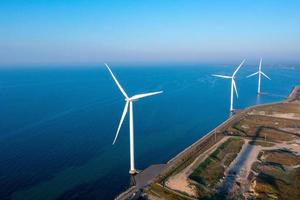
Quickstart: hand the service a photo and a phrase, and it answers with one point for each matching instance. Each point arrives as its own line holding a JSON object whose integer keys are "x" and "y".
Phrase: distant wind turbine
{"x": 259, "y": 76}
{"x": 129, "y": 104}
{"x": 233, "y": 85}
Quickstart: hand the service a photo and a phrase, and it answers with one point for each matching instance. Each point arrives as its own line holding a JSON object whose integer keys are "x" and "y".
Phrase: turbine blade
{"x": 235, "y": 89}
{"x": 116, "y": 81}
{"x": 221, "y": 76}
{"x": 252, "y": 74}
{"x": 237, "y": 69}
{"x": 265, "y": 75}
{"x": 121, "y": 121}
{"x": 139, "y": 96}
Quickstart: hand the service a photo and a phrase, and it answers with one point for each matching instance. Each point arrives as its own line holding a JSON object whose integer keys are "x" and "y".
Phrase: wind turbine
{"x": 233, "y": 85}
{"x": 129, "y": 106}
{"x": 259, "y": 76}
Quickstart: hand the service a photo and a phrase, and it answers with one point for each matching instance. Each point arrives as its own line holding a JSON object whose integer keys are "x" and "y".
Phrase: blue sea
{"x": 57, "y": 124}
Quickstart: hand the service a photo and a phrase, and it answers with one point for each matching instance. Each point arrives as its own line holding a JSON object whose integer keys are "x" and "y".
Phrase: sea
{"x": 57, "y": 123}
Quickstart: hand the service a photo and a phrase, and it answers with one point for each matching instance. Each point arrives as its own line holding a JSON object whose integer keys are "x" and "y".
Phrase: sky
{"x": 94, "y": 31}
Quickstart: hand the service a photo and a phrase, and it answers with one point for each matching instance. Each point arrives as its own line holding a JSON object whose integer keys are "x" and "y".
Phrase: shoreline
{"x": 197, "y": 148}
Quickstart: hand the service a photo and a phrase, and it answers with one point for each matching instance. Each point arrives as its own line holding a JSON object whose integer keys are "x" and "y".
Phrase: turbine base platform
{"x": 133, "y": 172}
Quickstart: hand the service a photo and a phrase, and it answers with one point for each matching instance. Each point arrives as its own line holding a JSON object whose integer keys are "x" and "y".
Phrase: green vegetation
{"x": 281, "y": 156}
{"x": 163, "y": 193}
{"x": 186, "y": 160}
{"x": 274, "y": 180}
{"x": 229, "y": 159}
{"x": 254, "y": 124}
{"x": 212, "y": 169}
{"x": 274, "y": 176}
{"x": 274, "y": 170}
{"x": 262, "y": 143}
{"x": 281, "y": 108}
{"x": 270, "y": 187}
{"x": 266, "y": 187}
{"x": 262, "y": 127}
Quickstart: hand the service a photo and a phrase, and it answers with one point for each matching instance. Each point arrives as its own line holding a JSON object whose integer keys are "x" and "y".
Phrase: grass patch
{"x": 212, "y": 169}
{"x": 189, "y": 157}
{"x": 257, "y": 126}
{"x": 266, "y": 186}
{"x": 229, "y": 159}
{"x": 273, "y": 170}
{"x": 269, "y": 187}
{"x": 281, "y": 156}
{"x": 163, "y": 193}
{"x": 273, "y": 181}
{"x": 261, "y": 143}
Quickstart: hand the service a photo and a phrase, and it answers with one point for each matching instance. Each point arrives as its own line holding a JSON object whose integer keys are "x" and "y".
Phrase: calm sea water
{"x": 57, "y": 125}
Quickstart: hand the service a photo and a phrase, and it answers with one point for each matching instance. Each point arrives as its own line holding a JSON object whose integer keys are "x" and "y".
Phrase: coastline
{"x": 189, "y": 154}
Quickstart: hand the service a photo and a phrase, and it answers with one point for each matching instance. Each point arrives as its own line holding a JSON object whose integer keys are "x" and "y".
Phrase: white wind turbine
{"x": 259, "y": 76}
{"x": 233, "y": 85}
{"x": 129, "y": 104}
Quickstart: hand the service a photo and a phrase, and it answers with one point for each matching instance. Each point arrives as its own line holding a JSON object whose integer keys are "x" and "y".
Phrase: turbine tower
{"x": 259, "y": 76}
{"x": 233, "y": 85}
{"x": 129, "y": 106}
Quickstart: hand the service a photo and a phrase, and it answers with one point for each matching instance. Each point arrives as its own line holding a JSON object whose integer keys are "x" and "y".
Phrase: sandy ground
{"x": 237, "y": 171}
{"x": 240, "y": 168}
{"x": 180, "y": 181}
{"x": 294, "y": 116}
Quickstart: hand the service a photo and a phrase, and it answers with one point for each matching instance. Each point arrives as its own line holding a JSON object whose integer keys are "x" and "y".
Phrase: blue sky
{"x": 61, "y": 31}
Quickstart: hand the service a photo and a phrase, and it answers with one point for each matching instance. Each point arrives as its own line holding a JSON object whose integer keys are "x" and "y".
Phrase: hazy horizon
{"x": 89, "y": 32}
